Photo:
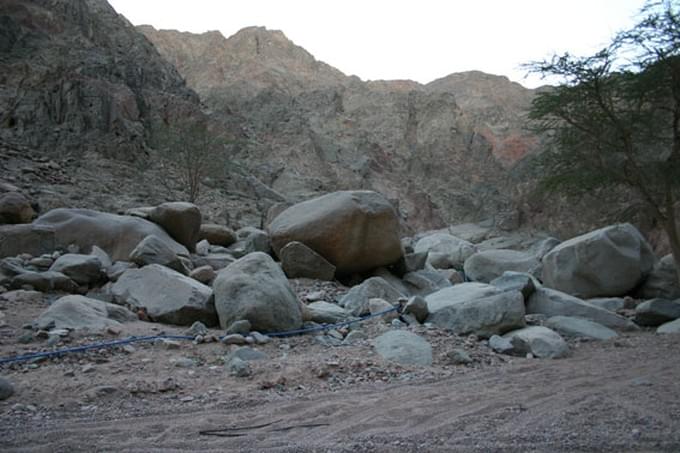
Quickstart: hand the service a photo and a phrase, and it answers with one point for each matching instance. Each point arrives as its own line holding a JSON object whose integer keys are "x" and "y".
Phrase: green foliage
{"x": 615, "y": 118}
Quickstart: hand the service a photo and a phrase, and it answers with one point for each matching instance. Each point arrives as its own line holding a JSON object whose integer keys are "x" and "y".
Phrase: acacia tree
{"x": 614, "y": 120}
{"x": 194, "y": 150}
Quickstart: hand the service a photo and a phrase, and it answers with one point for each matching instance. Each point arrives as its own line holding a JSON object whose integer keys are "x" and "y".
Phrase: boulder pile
{"x": 521, "y": 295}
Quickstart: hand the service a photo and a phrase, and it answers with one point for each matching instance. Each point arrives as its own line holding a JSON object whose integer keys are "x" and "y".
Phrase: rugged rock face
{"x": 442, "y": 149}
{"x": 76, "y": 76}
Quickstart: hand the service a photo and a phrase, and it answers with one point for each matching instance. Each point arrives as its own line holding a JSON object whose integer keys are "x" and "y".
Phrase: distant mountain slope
{"x": 76, "y": 76}
{"x": 443, "y": 149}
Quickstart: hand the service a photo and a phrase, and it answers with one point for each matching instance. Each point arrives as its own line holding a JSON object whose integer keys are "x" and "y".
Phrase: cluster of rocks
{"x": 163, "y": 264}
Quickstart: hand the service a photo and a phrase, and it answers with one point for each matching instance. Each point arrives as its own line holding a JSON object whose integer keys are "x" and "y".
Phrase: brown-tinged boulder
{"x": 299, "y": 261}
{"x": 217, "y": 234}
{"x": 181, "y": 220}
{"x": 356, "y": 231}
{"x": 117, "y": 235}
{"x": 15, "y": 208}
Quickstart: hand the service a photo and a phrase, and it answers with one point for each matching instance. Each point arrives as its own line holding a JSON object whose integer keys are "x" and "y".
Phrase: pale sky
{"x": 418, "y": 40}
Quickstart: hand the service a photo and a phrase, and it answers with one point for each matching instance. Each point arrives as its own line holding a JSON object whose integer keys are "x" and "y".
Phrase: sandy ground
{"x": 619, "y": 395}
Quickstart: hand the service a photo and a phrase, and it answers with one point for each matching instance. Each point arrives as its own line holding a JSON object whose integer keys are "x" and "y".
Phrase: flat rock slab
{"x": 79, "y": 312}
{"x": 166, "y": 295}
{"x": 550, "y": 302}
{"x": 579, "y": 327}
{"x": 404, "y": 347}
{"x": 488, "y": 265}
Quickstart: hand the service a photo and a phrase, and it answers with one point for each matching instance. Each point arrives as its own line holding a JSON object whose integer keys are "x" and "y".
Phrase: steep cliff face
{"x": 443, "y": 150}
{"x": 75, "y": 77}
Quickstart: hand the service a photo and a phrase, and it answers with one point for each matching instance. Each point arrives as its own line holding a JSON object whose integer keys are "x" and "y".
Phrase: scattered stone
{"x": 6, "y": 389}
{"x": 242, "y": 326}
{"x": 354, "y": 337}
{"x": 42, "y": 262}
{"x": 444, "y": 250}
{"x": 15, "y": 208}
{"x": 183, "y": 362}
{"x": 516, "y": 281}
{"x": 540, "y": 341}
{"x": 45, "y": 281}
{"x": 104, "y": 257}
{"x": 415, "y": 261}
{"x": 356, "y": 231}
{"x": 117, "y": 269}
{"x": 82, "y": 269}
{"x": 608, "y": 303}
{"x": 476, "y": 308}
{"x": 657, "y": 311}
{"x": 166, "y": 295}
{"x": 425, "y": 282}
{"x": 238, "y": 367}
{"x": 217, "y": 234}
{"x": 398, "y": 323}
{"x": 356, "y": 299}
{"x": 204, "y": 274}
{"x": 500, "y": 345}
{"x": 404, "y": 347}
{"x": 579, "y": 327}
{"x": 669, "y": 327}
{"x": 251, "y": 240}
{"x": 171, "y": 345}
{"x": 377, "y": 305}
{"x": 255, "y": 288}
{"x": 607, "y": 262}
{"x": 197, "y": 328}
{"x": 459, "y": 357}
{"x": 152, "y": 250}
{"x": 79, "y": 312}
{"x": 233, "y": 338}
{"x": 487, "y": 265}
{"x": 551, "y": 302}
{"x": 326, "y": 313}
{"x": 246, "y": 353}
{"x": 662, "y": 281}
{"x": 300, "y": 261}
{"x": 417, "y": 306}
{"x": 203, "y": 248}
{"x": 260, "y": 338}
{"x": 89, "y": 368}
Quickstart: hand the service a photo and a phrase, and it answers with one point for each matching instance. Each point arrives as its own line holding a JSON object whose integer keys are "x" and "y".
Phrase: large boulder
{"x": 356, "y": 231}
{"x": 82, "y": 269}
{"x": 662, "y": 281}
{"x": 669, "y": 327}
{"x": 404, "y": 347}
{"x": 610, "y": 261}
{"x": 578, "y": 327}
{"x": 181, "y": 220}
{"x": 445, "y": 251}
{"x": 15, "y": 208}
{"x": 79, "y": 312}
{"x": 45, "y": 281}
{"x": 657, "y": 311}
{"x": 33, "y": 239}
{"x": 250, "y": 239}
{"x": 538, "y": 340}
{"x": 485, "y": 313}
{"x": 152, "y": 250}
{"x": 217, "y": 234}
{"x": 459, "y": 293}
{"x": 117, "y": 235}
{"x": 487, "y": 265}
{"x": 550, "y": 302}
{"x": 356, "y": 299}
{"x": 298, "y": 261}
{"x": 166, "y": 295}
{"x": 255, "y": 288}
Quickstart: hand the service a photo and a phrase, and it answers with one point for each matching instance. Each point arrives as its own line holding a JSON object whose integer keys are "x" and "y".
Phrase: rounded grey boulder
{"x": 607, "y": 262}
{"x": 255, "y": 288}
{"x": 404, "y": 347}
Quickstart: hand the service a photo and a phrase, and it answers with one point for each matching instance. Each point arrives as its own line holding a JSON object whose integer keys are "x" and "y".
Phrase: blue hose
{"x": 113, "y": 343}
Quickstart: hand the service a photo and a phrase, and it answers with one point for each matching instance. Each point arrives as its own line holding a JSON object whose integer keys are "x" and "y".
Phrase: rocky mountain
{"x": 443, "y": 150}
{"x": 75, "y": 76}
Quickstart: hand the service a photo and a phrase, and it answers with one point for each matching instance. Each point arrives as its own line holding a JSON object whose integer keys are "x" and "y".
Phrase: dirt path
{"x": 613, "y": 396}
